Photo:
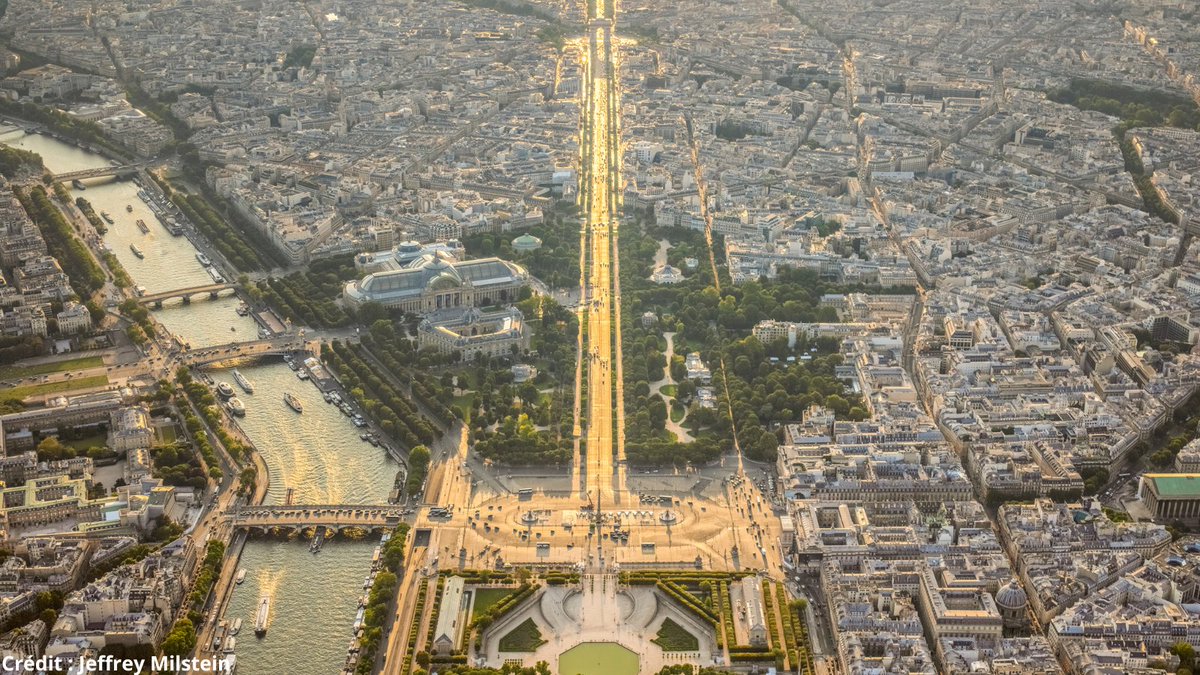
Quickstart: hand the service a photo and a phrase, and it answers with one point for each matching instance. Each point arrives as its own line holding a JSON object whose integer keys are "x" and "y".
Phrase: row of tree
{"x": 378, "y": 603}
{"x": 302, "y": 302}
{"x": 395, "y": 415}
{"x": 78, "y": 264}
{"x": 231, "y": 242}
{"x": 396, "y": 353}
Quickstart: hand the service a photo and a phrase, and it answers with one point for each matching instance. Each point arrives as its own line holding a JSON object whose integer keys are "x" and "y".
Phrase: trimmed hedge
{"x": 687, "y": 600}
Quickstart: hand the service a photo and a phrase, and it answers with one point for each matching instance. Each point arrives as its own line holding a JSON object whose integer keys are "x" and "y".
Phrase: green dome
{"x": 526, "y": 241}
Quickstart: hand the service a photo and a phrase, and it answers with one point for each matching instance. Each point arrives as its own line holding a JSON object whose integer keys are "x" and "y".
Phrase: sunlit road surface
{"x": 602, "y": 450}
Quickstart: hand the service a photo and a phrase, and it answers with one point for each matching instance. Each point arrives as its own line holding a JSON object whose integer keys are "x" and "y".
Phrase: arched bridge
{"x": 333, "y": 517}
{"x": 213, "y": 290}
{"x": 285, "y": 344}
{"x": 124, "y": 170}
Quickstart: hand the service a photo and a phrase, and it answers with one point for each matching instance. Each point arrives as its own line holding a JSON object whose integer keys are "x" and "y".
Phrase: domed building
{"x": 437, "y": 281}
{"x": 1013, "y": 604}
{"x": 526, "y": 243}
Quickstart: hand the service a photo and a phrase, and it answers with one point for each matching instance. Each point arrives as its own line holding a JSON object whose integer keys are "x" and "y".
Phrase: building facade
{"x": 438, "y": 282}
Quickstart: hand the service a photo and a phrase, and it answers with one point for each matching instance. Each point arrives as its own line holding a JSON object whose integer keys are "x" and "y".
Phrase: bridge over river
{"x": 333, "y": 517}
{"x": 119, "y": 171}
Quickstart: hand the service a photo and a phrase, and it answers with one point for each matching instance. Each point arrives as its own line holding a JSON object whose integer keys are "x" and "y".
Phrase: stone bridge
{"x": 276, "y": 346}
{"x": 334, "y": 517}
{"x": 212, "y": 290}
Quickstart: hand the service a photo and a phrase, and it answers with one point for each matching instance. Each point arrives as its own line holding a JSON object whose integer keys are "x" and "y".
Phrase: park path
{"x": 674, "y": 427}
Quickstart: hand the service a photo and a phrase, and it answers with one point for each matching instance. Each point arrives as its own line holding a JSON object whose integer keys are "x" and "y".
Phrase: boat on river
{"x": 237, "y": 407}
{"x": 226, "y": 391}
{"x": 78, "y": 184}
{"x": 236, "y": 627}
{"x": 128, "y": 209}
{"x": 137, "y": 251}
{"x": 143, "y": 226}
{"x": 241, "y": 574}
{"x": 107, "y": 218}
{"x": 203, "y": 259}
{"x": 293, "y": 402}
{"x": 243, "y": 382}
{"x": 260, "y": 621}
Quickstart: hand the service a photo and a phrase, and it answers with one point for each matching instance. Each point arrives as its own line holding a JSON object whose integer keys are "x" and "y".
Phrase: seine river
{"x": 318, "y": 454}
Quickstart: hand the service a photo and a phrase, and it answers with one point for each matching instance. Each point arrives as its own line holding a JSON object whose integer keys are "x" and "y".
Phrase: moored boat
{"x": 226, "y": 391}
{"x": 203, "y": 259}
{"x": 237, "y": 407}
{"x": 241, "y": 573}
{"x": 236, "y": 627}
{"x": 243, "y": 382}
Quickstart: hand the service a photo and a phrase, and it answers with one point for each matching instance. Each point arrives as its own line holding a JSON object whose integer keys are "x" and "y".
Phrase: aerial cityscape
{"x": 590, "y": 337}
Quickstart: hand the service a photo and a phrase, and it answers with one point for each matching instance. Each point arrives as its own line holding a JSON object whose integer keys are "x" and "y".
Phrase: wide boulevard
{"x": 601, "y": 455}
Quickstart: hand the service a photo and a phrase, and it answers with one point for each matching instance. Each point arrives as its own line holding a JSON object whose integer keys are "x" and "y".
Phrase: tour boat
{"x": 260, "y": 621}
{"x": 243, "y": 382}
{"x": 241, "y": 576}
{"x": 226, "y": 391}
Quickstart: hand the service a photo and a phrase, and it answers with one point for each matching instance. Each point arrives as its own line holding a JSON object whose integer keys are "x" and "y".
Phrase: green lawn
{"x": 463, "y": 403}
{"x": 54, "y": 387}
{"x": 674, "y": 638}
{"x": 166, "y": 435}
{"x": 486, "y": 597}
{"x": 598, "y": 658}
{"x": 82, "y": 444}
{"x": 668, "y": 390}
{"x": 524, "y": 638}
{"x": 10, "y": 372}
{"x": 677, "y": 412}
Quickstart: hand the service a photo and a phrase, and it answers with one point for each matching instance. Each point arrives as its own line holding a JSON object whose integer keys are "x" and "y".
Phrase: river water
{"x": 318, "y": 453}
